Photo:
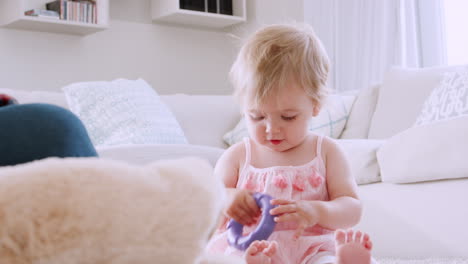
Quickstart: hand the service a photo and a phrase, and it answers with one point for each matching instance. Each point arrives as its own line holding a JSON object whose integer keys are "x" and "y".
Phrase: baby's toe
{"x": 253, "y": 249}
{"x": 365, "y": 238}
{"x": 271, "y": 249}
{"x": 349, "y": 235}
{"x": 340, "y": 237}
{"x": 358, "y": 236}
{"x": 368, "y": 244}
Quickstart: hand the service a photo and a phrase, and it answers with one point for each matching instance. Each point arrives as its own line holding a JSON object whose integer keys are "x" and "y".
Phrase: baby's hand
{"x": 305, "y": 213}
{"x": 243, "y": 208}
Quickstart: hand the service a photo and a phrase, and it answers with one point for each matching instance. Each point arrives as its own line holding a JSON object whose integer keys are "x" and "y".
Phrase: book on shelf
{"x": 56, "y": 6}
{"x": 84, "y": 11}
{"x": 36, "y": 12}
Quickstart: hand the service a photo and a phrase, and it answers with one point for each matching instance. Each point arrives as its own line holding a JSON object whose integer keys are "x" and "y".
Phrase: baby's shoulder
{"x": 234, "y": 154}
{"x": 236, "y": 149}
{"x": 330, "y": 149}
{"x": 325, "y": 142}
{"x": 329, "y": 142}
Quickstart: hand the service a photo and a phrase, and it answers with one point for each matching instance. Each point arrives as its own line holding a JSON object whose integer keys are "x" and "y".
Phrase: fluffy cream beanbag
{"x": 96, "y": 211}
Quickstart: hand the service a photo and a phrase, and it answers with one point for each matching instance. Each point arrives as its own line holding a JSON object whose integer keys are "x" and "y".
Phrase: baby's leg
{"x": 352, "y": 248}
{"x": 260, "y": 252}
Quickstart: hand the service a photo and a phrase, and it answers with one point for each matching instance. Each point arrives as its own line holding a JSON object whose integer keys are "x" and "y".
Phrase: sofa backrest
{"x": 401, "y": 98}
{"x": 26, "y": 97}
{"x": 379, "y": 112}
{"x": 360, "y": 116}
{"x": 204, "y": 118}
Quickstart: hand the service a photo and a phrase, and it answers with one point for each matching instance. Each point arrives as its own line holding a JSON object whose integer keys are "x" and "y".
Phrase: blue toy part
{"x": 261, "y": 232}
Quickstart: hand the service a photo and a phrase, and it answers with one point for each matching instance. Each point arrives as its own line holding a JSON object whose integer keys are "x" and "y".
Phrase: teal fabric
{"x": 36, "y": 131}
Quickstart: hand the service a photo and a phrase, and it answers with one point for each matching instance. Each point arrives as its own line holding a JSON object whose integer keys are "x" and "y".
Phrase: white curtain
{"x": 364, "y": 38}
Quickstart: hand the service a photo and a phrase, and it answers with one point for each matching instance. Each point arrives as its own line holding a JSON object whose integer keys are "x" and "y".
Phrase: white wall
{"x": 172, "y": 59}
{"x": 264, "y": 12}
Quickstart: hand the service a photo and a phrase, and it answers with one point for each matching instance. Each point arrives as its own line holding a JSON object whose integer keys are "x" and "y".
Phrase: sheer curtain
{"x": 364, "y": 38}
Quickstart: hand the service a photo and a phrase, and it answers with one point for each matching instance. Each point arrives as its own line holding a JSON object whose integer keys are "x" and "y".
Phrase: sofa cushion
{"x": 401, "y": 98}
{"x": 361, "y": 154}
{"x": 360, "y": 117}
{"x": 204, "y": 118}
{"x": 425, "y": 153}
{"x": 123, "y": 112}
{"x": 448, "y": 100}
{"x": 422, "y": 220}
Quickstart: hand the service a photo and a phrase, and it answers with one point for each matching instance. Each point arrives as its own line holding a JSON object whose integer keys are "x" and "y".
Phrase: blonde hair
{"x": 279, "y": 54}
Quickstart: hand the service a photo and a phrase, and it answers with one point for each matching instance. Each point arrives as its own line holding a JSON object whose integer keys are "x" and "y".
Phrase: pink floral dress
{"x": 304, "y": 182}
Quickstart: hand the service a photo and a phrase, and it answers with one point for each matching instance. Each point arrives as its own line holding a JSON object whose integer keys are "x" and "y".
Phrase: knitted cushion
{"x": 123, "y": 112}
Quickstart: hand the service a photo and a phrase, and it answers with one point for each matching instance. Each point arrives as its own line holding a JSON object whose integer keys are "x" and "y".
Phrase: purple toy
{"x": 263, "y": 230}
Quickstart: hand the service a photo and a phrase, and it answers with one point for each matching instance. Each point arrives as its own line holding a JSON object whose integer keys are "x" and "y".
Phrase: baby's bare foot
{"x": 260, "y": 252}
{"x": 352, "y": 248}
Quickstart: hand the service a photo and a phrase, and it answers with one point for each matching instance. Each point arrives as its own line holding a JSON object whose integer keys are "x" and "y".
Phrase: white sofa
{"x": 423, "y": 220}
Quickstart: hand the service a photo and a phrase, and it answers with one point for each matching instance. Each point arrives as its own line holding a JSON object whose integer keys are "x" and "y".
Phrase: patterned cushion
{"x": 123, "y": 112}
{"x": 330, "y": 121}
{"x": 448, "y": 100}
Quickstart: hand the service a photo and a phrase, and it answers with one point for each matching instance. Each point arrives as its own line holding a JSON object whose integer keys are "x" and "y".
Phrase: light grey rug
{"x": 422, "y": 261}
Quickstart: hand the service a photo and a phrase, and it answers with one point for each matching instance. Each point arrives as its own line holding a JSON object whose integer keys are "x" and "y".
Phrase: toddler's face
{"x": 281, "y": 122}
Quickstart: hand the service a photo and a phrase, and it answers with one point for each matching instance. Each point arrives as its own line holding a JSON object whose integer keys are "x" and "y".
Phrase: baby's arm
{"x": 240, "y": 204}
{"x": 344, "y": 208}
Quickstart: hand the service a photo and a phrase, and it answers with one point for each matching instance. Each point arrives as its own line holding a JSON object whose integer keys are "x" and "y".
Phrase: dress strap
{"x": 246, "y": 163}
{"x": 319, "y": 146}
{"x": 247, "y": 151}
{"x": 319, "y": 152}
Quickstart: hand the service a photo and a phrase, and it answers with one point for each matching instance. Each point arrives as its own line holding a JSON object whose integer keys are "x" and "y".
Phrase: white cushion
{"x": 449, "y": 100}
{"x": 361, "y": 113}
{"x": 123, "y": 112}
{"x": 28, "y": 97}
{"x": 361, "y": 154}
{"x": 330, "y": 121}
{"x": 401, "y": 98}
{"x": 204, "y": 118}
{"x": 424, "y": 153}
{"x": 144, "y": 154}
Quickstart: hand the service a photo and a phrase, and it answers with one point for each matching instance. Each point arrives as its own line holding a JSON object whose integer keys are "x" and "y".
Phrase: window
{"x": 456, "y": 21}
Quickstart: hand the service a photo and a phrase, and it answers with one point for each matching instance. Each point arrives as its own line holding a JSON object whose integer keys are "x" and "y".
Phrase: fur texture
{"x": 90, "y": 210}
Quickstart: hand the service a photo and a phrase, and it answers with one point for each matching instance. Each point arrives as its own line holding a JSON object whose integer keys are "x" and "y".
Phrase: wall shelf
{"x": 169, "y": 11}
{"x": 12, "y": 16}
